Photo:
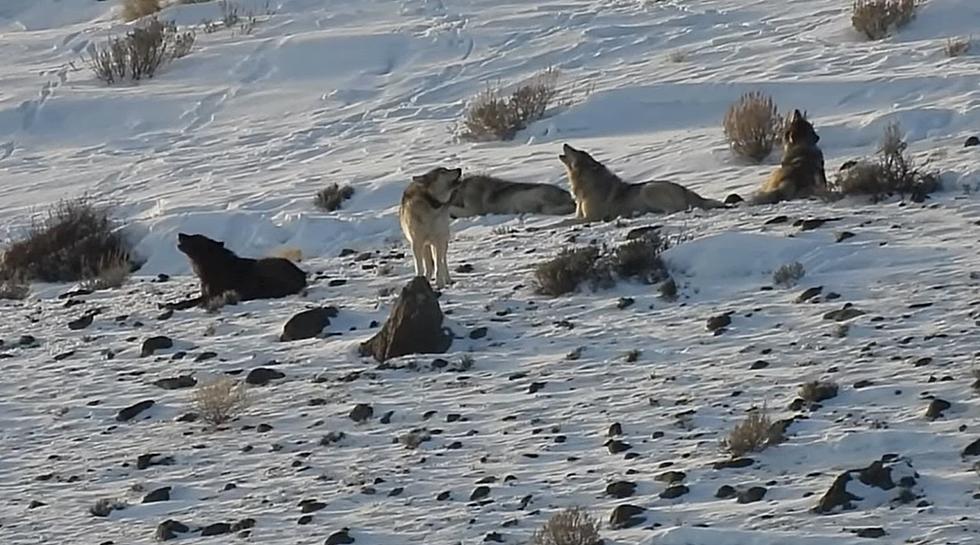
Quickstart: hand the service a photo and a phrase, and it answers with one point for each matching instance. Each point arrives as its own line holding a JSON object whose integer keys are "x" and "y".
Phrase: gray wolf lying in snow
{"x": 801, "y": 172}
{"x": 601, "y": 195}
{"x": 424, "y": 217}
{"x": 478, "y": 195}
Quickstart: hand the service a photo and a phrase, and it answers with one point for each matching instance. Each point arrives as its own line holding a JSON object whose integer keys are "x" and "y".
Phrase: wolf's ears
{"x": 797, "y": 116}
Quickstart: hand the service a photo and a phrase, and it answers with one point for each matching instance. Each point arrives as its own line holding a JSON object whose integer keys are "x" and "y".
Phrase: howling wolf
{"x": 601, "y": 195}
{"x": 424, "y": 217}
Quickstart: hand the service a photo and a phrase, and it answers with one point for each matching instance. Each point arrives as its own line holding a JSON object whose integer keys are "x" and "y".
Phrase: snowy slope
{"x": 234, "y": 140}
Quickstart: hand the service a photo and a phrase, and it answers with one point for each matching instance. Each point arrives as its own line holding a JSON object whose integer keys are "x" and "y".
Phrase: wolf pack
{"x": 432, "y": 200}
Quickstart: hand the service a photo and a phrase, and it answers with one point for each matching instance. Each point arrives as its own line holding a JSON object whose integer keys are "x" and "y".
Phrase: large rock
{"x": 890, "y": 480}
{"x": 413, "y": 327}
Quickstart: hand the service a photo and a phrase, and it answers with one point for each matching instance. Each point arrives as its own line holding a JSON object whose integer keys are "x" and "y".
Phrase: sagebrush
{"x": 136, "y": 9}
{"x": 495, "y": 115}
{"x": 141, "y": 53}
{"x": 573, "y": 526}
{"x": 877, "y": 18}
{"x": 640, "y": 259}
{"x": 956, "y": 47}
{"x": 220, "y": 401}
{"x": 788, "y": 275}
{"x": 753, "y": 434}
{"x": 891, "y": 172}
{"x": 331, "y": 197}
{"x": 565, "y": 272}
{"x": 753, "y": 126}
{"x": 66, "y": 245}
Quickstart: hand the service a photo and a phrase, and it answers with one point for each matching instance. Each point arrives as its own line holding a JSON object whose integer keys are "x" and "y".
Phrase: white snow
{"x": 234, "y": 140}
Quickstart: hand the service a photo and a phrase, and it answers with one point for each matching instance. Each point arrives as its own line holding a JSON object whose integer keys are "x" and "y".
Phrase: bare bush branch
{"x": 492, "y": 116}
{"x": 753, "y": 126}
{"x": 220, "y": 401}
{"x": 877, "y": 18}
{"x": 136, "y": 9}
{"x": 573, "y": 526}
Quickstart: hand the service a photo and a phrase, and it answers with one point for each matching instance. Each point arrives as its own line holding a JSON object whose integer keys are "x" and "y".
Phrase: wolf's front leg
{"x": 440, "y": 249}
{"x": 430, "y": 261}
{"x": 418, "y": 252}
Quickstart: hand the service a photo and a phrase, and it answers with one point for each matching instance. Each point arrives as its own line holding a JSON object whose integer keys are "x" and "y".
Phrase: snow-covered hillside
{"x": 233, "y": 141}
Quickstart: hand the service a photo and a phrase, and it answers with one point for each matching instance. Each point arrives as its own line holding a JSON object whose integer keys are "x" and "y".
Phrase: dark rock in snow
{"x": 626, "y": 516}
{"x": 307, "y": 324}
{"x": 169, "y": 529}
{"x": 896, "y": 477}
{"x": 413, "y": 327}
{"x": 261, "y": 376}
{"x": 361, "y": 412}
{"x": 620, "y": 489}
{"x": 130, "y": 412}
{"x": 160, "y": 494}
{"x": 153, "y": 344}
{"x": 176, "y": 383}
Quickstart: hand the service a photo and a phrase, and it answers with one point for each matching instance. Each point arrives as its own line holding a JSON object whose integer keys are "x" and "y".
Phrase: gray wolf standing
{"x": 601, "y": 195}
{"x": 480, "y": 194}
{"x": 424, "y": 217}
{"x": 801, "y": 172}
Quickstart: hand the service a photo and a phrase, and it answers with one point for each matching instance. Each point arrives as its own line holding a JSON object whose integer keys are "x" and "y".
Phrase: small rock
{"x": 176, "y": 383}
{"x": 936, "y": 408}
{"x": 717, "y": 322}
{"x": 871, "y": 533}
{"x": 620, "y": 489}
{"x": 671, "y": 477}
{"x": 153, "y": 344}
{"x": 616, "y": 446}
{"x": 169, "y": 529}
{"x": 751, "y": 495}
{"x": 478, "y": 333}
{"x": 725, "y": 492}
{"x": 733, "y": 198}
{"x": 809, "y": 293}
{"x": 675, "y": 491}
{"x": 626, "y": 516}
{"x": 130, "y": 412}
{"x": 776, "y": 220}
{"x": 736, "y": 463}
{"x": 615, "y": 429}
{"x": 160, "y": 494}
{"x": 843, "y": 314}
{"x": 144, "y": 461}
{"x": 643, "y": 232}
{"x": 261, "y": 376}
{"x": 625, "y": 302}
{"x": 216, "y": 529}
{"x": 339, "y": 538}
{"x": 81, "y": 323}
{"x": 971, "y": 142}
{"x": 361, "y": 412}
{"x": 973, "y": 449}
{"x": 311, "y": 506}
{"x": 843, "y": 235}
{"x": 307, "y": 324}
{"x": 479, "y": 493}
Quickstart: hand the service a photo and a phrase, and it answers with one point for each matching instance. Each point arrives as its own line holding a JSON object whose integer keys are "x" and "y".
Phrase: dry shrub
{"x": 565, "y": 272}
{"x": 753, "y": 434}
{"x": 331, "y": 197}
{"x": 136, "y": 9}
{"x": 893, "y": 171}
{"x": 65, "y": 245}
{"x": 141, "y": 53}
{"x": 493, "y": 116}
{"x": 817, "y": 391}
{"x": 668, "y": 290}
{"x": 110, "y": 272}
{"x": 573, "y": 526}
{"x": 640, "y": 258}
{"x": 956, "y": 47}
{"x": 877, "y": 18}
{"x": 220, "y": 401}
{"x": 788, "y": 275}
{"x": 14, "y": 289}
{"x": 753, "y": 126}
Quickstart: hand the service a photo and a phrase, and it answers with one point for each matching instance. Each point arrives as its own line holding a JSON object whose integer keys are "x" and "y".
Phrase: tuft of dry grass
{"x": 63, "y": 245}
{"x": 817, "y": 391}
{"x": 141, "y": 53}
{"x": 956, "y": 47}
{"x": 753, "y": 434}
{"x": 876, "y": 19}
{"x": 220, "y": 401}
{"x": 753, "y": 126}
{"x": 110, "y": 272}
{"x": 572, "y": 526}
{"x": 136, "y": 9}
{"x": 892, "y": 171}
{"x": 331, "y": 197}
{"x": 788, "y": 275}
{"x": 14, "y": 289}
{"x": 492, "y": 115}
{"x": 668, "y": 289}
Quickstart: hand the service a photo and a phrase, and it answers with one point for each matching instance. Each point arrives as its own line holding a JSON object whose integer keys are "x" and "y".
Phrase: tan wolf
{"x": 601, "y": 195}
{"x": 479, "y": 194}
{"x": 424, "y": 217}
{"x": 801, "y": 172}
